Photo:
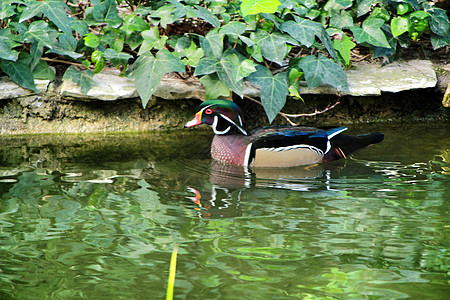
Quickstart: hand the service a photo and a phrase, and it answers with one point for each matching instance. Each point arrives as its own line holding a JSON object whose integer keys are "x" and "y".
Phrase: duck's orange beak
{"x": 196, "y": 121}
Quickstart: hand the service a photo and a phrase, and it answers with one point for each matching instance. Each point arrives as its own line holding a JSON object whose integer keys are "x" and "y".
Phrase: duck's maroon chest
{"x": 229, "y": 149}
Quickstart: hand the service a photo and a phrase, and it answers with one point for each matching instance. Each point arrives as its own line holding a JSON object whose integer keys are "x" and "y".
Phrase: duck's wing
{"x": 289, "y": 146}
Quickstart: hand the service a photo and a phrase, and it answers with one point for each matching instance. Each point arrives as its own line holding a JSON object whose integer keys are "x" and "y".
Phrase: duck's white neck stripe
{"x": 229, "y": 120}
{"x": 214, "y": 127}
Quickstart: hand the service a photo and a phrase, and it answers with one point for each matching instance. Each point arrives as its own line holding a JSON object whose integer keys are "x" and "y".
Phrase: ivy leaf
{"x": 399, "y": 25}
{"x": 337, "y": 5}
{"x": 99, "y": 61}
{"x": 438, "y": 41}
{"x": 36, "y": 52}
{"x": 365, "y": 6}
{"x": 386, "y": 52}
{"x": 115, "y": 38}
{"x": 371, "y": 33}
{"x": 81, "y": 27}
{"x": 207, "y": 15}
{"x": 305, "y": 31}
{"x": 233, "y": 28}
{"x": 164, "y": 15}
{"x": 55, "y": 10}
{"x": 273, "y": 46}
{"x": 212, "y": 43}
{"x": 82, "y": 78}
{"x": 320, "y": 70}
{"x": 20, "y": 73}
{"x": 344, "y": 46}
{"x": 193, "y": 55}
{"x": 65, "y": 46}
{"x": 251, "y": 7}
{"x": 439, "y": 22}
{"x": 214, "y": 87}
{"x": 274, "y": 90}
{"x": 341, "y": 19}
{"x": 7, "y": 10}
{"x": 149, "y": 70}
{"x": 134, "y": 23}
{"x": 247, "y": 41}
{"x": 246, "y": 68}
{"x": 91, "y": 40}
{"x": 111, "y": 13}
{"x": 206, "y": 66}
{"x": 43, "y": 71}
{"x": 152, "y": 40}
{"x": 38, "y": 32}
{"x": 230, "y": 69}
{"x": 180, "y": 9}
{"x": 6, "y": 51}
{"x": 117, "y": 58}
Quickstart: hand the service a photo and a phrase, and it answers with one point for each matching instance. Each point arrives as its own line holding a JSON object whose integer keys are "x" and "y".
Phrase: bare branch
{"x": 288, "y": 116}
{"x": 62, "y": 62}
{"x": 316, "y": 112}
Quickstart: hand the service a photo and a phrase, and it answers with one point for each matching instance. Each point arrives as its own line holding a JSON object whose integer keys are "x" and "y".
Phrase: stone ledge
{"x": 373, "y": 79}
{"x": 109, "y": 86}
{"x": 10, "y": 90}
{"x": 364, "y": 80}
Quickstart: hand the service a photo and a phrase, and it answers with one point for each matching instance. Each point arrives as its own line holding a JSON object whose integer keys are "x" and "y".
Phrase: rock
{"x": 106, "y": 86}
{"x": 10, "y": 90}
{"x": 364, "y": 80}
{"x": 372, "y": 79}
{"x": 177, "y": 88}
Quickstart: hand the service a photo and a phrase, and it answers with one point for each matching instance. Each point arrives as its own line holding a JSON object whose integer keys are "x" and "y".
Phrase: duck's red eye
{"x": 208, "y": 111}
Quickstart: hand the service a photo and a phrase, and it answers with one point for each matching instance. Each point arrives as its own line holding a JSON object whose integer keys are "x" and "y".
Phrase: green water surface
{"x": 97, "y": 217}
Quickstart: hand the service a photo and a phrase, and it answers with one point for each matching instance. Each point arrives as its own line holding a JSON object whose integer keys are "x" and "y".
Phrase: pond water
{"x": 97, "y": 217}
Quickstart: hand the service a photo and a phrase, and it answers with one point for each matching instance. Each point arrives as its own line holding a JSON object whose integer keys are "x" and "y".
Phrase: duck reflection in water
{"x": 231, "y": 183}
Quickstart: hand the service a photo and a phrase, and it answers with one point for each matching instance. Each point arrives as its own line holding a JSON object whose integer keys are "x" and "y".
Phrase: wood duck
{"x": 275, "y": 146}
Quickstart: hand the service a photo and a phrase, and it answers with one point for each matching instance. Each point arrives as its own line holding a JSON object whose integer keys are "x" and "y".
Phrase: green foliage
{"x": 221, "y": 42}
{"x": 148, "y": 71}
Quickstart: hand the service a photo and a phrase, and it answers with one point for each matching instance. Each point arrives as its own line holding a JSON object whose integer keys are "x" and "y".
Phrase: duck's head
{"x": 223, "y": 116}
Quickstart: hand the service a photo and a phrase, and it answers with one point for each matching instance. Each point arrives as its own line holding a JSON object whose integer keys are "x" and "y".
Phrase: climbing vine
{"x": 271, "y": 43}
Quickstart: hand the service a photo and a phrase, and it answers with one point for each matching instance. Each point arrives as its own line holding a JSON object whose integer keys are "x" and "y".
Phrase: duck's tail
{"x": 343, "y": 145}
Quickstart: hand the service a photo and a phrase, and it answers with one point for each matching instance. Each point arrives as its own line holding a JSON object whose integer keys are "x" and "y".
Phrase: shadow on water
{"x": 96, "y": 216}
